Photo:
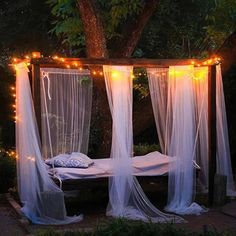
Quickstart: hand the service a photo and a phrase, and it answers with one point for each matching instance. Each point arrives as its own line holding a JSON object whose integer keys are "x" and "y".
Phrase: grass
{"x": 122, "y": 227}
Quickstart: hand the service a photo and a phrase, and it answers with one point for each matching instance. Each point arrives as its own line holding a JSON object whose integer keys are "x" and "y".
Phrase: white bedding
{"x": 152, "y": 164}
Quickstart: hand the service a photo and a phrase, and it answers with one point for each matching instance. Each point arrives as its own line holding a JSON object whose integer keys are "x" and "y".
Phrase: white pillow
{"x": 75, "y": 160}
{"x": 82, "y": 158}
{"x": 58, "y": 160}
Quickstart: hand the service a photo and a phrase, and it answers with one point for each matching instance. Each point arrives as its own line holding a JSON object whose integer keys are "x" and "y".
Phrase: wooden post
{"x": 211, "y": 131}
{"x": 36, "y": 94}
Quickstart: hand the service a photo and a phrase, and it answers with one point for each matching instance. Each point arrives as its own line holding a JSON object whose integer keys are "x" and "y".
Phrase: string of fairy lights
{"x": 70, "y": 64}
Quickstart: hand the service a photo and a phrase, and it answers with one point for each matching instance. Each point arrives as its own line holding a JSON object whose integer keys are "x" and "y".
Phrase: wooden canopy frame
{"x": 89, "y": 63}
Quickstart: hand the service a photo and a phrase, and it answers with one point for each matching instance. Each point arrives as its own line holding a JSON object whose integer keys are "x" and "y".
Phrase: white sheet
{"x": 152, "y": 164}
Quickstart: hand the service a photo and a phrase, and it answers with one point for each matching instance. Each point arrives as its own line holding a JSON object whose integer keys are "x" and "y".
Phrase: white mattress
{"x": 152, "y": 164}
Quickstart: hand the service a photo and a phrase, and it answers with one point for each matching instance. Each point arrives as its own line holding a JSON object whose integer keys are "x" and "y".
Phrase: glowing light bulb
{"x": 36, "y": 54}
{"x": 115, "y": 74}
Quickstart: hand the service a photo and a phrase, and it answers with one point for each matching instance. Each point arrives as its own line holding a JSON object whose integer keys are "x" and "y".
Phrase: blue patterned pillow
{"x": 75, "y": 164}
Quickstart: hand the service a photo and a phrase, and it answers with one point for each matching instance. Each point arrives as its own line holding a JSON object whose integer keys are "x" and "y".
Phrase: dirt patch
{"x": 9, "y": 224}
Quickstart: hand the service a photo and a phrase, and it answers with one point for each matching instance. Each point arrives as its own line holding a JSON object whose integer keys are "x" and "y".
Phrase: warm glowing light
{"x": 132, "y": 76}
{"x": 55, "y": 57}
{"x": 68, "y": 66}
{"x": 15, "y": 59}
{"x": 36, "y": 54}
{"x": 80, "y": 68}
{"x": 75, "y": 64}
{"x": 94, "y": 72}
{"x": 115, "y": 74}
{"x": 200, "y": 74}
{"x": 192, "y": 62}
{"x": 31, "y": 158}
{"x": 12, "y": 88}
{"x": 100, "y": 73}
{"x": 27, "y": 57}
{"x": 14, "y": 105}
{"x": 13, "y": 95}
{"x": 62, "y": 59}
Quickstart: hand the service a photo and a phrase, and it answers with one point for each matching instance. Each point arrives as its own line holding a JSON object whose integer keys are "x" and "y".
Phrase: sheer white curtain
{"x": 66, "y": 98}
{"x": 158, "y": 86}
{"x": 126, "y": 197}
{"x": 223, "y": 151}
{"x": 180, "y": 133}
{"x": 43, "y": 201}
{"x": 201, "y": 107}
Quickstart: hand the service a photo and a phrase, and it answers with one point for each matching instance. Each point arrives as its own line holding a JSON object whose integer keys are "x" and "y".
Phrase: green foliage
{"x": 140, "y": 84}
{"x": 143, "y": 149}
{"x": 117, "y": 12}
{"x": 177, "y": 30}
{"x": 7, "y": 170}
{"x": 221, "y": 21}
{"x": 122, "y": 227}
{"x": 67, "y": 23}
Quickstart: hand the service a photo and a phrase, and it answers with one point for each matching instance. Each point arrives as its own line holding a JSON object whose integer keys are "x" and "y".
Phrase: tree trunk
{"x": 132, "y": 32}
{"x": 93, "y": 29}
{"x": 96, "y": 47}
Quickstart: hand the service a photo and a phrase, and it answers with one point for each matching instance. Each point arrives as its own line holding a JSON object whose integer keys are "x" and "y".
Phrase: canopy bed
{"x": 180, "y": 94}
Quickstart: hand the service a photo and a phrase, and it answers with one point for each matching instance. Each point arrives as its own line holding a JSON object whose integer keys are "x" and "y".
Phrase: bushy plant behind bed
{"x": 7, "y": 170}
{"x": 143, "y": 149}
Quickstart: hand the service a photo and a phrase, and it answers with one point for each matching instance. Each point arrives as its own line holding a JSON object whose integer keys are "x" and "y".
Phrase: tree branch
{"x": 132, "y": 32}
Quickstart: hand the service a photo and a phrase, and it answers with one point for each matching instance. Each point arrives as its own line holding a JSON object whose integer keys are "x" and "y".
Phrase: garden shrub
{"x": 143, "y": 149}
{"x": 123, "y": 227}
{"x": 7, "y": 170}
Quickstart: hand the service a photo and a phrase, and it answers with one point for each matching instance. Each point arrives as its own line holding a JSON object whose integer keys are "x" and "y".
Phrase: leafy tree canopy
{"x": 178, "y": 28}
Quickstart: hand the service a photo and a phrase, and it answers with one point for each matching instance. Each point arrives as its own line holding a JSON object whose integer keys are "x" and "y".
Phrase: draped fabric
{"x": 181, "y": 114}
{"x": 184, "y": 130}
{"x": 201, "y": 108}
{"x": 66, "y": 99}
{"x": 43, "y": 201}
{"x": 180, "y": 133}
{"x": 158, "y": 82}
{"x": 126, "y": 197}
{"x": 223, "y": 151}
